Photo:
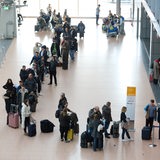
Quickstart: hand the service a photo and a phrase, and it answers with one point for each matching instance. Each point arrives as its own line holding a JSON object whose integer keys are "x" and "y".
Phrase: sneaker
{"x": 61, "y": 139}
{"x": 67, "y": 141}
{"x": 131, "y": 139}
{"x": 124, "y": 140}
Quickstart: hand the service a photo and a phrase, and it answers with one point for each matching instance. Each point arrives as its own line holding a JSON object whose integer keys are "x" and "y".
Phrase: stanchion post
{"x": 152, "y": 145}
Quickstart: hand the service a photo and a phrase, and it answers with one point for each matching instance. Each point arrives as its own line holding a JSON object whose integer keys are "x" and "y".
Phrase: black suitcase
{"x": 146, "y": 133}
{"x": 46, "y": 126}
{"x": 64, "y": 65}
{"x": 100, "y": 141}
{"x": 36, "y": 28}
{"x": 115, "y": 129}
{"x": 32, "y": 130}
{"x": 111, "y": 130}
{"x": 76, "y": 128}
{"x": 84, "y": 143}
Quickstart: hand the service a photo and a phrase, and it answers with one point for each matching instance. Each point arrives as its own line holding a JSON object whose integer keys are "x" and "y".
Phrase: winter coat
{"x": 106, "y": 113}
{"x": 64, "y": 120}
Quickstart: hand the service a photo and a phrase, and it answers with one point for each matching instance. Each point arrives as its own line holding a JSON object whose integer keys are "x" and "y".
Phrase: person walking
{"x": 124, "y": 124}
{"x": 97, "y": 13}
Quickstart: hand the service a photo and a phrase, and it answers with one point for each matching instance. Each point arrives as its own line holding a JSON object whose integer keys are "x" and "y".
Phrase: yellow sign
{"x": 131, "y": 91}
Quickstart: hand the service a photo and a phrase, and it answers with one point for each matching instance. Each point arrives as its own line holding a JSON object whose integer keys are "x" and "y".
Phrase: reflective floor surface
{"x": 101, "y": 72}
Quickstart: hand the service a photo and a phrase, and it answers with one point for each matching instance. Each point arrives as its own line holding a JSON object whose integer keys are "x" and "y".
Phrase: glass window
{"x": 81, "y": 8}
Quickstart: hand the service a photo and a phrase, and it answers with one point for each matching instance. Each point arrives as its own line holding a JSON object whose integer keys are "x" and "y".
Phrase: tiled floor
{"x": 101, "y": 72}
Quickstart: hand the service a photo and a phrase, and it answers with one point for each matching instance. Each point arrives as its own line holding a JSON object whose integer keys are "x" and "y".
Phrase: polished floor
{"x": 101, "y": 72}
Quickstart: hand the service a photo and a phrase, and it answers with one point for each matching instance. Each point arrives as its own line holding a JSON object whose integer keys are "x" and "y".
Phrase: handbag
{"x": 124, "y": 125}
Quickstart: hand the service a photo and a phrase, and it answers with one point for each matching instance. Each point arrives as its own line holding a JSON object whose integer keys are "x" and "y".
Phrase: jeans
{"x": 106, "y": 126}
{"x": 97, "y": 17}
{"x": 94, "y": 143}
{"x": 71, "y": 52}
{"x": 123, "y": 133}
{"x": 26, "y": 123}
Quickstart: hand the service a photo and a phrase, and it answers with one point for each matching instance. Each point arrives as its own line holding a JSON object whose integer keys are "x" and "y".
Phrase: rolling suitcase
{"x": 65, "y": 65}
{"x": 46, "y": 126}
{"x": 70, "y": 135}
{"x": 100, "y": 141}
{"x": 32, "y": 130}
{"x": 84, "y": 143}
{"x": 76, "y": 128}
{"x": 146, "y": 133}
{"x": 115, "y": 129}
{"x": 13, "y": 120}
{"x": 36, "y": 28}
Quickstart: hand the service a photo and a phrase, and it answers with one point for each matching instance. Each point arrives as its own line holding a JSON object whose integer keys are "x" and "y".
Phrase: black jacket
{"x": 123, "y": 117}
{"x": 64, "y": 120}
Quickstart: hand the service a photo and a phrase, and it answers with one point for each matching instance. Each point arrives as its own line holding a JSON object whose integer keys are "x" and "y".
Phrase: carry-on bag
{"x": 32, "y": 130}
{"x": 76, "y": 128}
{"x": 115, "y": 129}
{"x": 100, "y": 141}
{"x": 36, "y": 28}
{"x": 46, "y": 126}
{"x": 70, "y": 135}
{"x": 13, "y": 120}
{"x": 84, "y": 143}
{"x": 146, "y": 133}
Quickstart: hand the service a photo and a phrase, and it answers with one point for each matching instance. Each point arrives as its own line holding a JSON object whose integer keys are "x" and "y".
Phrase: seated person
{"x": 41, "y": 22}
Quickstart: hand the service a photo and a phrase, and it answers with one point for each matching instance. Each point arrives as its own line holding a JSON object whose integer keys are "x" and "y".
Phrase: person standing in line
{"x": 124, "y": 124}
{"x": 151, "y": 113}
{"x": 106, "y": 113}
{"x": 64, "y": 121}
{"x": 62, "y": 102}
{"x": 25, "y": 112}
{"x": 97, "y": 13}
{"x": 52, "y": 70}
{"x": 95, "y": 132}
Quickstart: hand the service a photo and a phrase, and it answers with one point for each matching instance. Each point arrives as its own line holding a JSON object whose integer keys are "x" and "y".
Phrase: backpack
{"x": 31, "y": 99}
{"x": 57, "y": 113}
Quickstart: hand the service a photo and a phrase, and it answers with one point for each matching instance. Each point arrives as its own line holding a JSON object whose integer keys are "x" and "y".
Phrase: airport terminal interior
{"x": 102, "y": 70}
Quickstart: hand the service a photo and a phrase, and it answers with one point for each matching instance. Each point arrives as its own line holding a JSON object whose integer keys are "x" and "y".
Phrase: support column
{"x": 118, "y": 7}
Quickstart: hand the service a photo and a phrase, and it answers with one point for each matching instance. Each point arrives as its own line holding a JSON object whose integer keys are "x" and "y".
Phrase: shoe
{"x": 124, "y": 140}
{"x": 107, "y": 136}
{"x": 26, "y": 134}
{"x": 131, "y": 139}
{"x": 61, "y": 139}
{"x": 55, "y": 84}
{"x": 49, "y": 83}
{"x": 67, "y": 141}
